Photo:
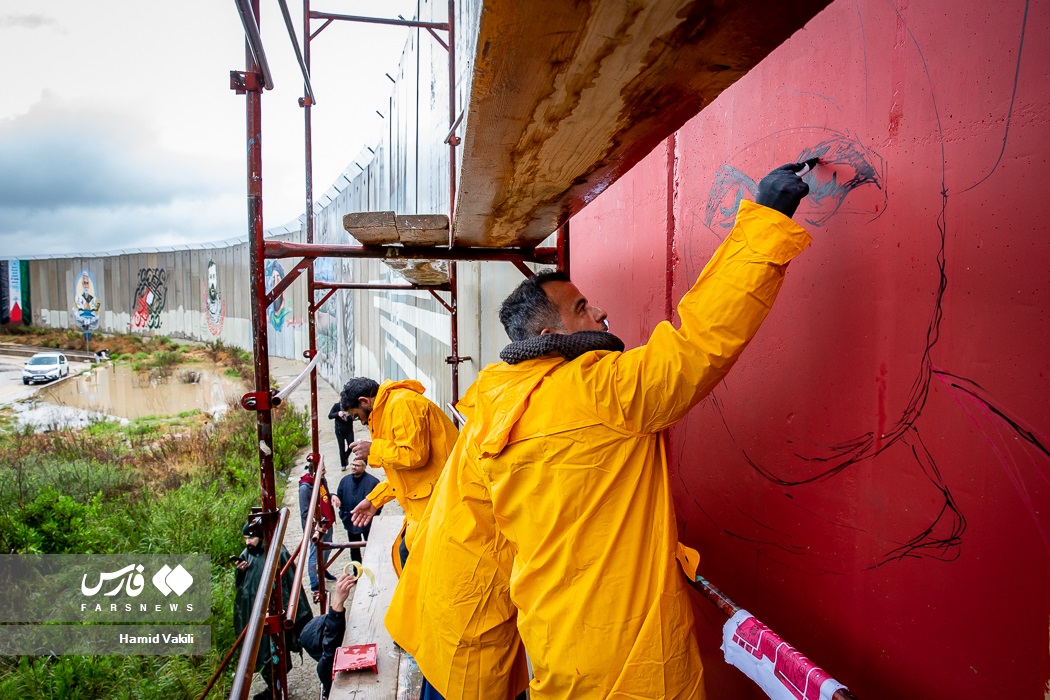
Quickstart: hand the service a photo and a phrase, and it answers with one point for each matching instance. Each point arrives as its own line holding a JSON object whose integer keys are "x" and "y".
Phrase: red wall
{"x": 873, "y": 479}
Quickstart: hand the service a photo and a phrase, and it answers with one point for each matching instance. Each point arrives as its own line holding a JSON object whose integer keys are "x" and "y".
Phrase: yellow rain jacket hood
{"x": 564, "y": 468}
{"x": 411, "y": 440}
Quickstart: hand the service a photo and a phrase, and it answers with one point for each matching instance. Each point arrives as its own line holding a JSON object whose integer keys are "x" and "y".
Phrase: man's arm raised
{"x": 653, "y": 386}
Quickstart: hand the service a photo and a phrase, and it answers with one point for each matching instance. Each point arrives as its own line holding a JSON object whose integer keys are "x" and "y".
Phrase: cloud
{"x": 54, "y": 156}
{"x": 28, "y": 22}
{"x": 77, "y": 179}
{"x": 76, "y": 229}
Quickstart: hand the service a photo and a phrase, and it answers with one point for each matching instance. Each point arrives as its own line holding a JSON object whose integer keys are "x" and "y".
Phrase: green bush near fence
{"x": 108, "y": 491}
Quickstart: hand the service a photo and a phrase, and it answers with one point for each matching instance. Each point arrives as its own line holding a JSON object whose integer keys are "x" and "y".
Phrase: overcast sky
{"x": 118, "y": 128}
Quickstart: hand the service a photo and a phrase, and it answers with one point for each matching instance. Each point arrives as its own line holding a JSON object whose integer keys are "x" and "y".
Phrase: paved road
{"x": 11, "y": 387}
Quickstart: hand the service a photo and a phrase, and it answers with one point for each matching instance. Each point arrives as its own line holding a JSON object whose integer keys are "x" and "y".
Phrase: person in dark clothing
{"x": 323, "y": 635}
{"x": 352, "y": 490}
{"x": 249, "y": 573}
{"x": 344, "y": 433}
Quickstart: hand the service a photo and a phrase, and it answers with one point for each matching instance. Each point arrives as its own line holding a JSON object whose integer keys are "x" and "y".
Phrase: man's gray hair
{"x": 528, "y": 310}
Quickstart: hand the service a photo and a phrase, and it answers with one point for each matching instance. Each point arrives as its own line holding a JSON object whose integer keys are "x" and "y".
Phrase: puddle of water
{"x": 117, "y": 390}
{"x": 48, "y": 416}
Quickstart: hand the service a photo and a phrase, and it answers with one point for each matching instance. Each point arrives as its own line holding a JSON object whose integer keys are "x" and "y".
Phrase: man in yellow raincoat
{"x": 562, "y": 469}
{"x": 411, "y": 440}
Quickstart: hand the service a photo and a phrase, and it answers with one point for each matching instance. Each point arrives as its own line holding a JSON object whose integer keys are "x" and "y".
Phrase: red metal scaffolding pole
{"x": 307, "y": 104}
{"x": 454, "y": 359}
{"x": 250, "y": 83}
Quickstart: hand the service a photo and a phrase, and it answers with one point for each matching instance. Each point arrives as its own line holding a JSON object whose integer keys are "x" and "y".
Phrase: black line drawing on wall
{"x": 852, "y": 179}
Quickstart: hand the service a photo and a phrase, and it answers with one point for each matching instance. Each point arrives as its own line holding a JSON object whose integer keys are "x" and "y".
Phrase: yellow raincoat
{"x": 570, "y": 460}
{"x": 411, "y": 440}
{"x": 457, "y": 619}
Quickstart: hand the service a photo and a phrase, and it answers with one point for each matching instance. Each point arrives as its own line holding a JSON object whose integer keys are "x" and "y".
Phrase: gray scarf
{"x": 568, "y": 345}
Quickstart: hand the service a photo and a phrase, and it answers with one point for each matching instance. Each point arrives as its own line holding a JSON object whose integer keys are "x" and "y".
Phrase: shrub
{"x": 115, "y": 496}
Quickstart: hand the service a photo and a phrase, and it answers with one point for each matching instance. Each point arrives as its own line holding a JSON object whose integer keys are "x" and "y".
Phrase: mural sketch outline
{"x": 943, "y": 537}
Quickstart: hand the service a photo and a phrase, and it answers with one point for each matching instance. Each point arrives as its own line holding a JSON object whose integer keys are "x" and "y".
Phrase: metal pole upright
{"x": 257, "y": 265}
{"x": 454, "y": 296}
{"x": 264, "y": 417}
{"x": 307, "y": 105}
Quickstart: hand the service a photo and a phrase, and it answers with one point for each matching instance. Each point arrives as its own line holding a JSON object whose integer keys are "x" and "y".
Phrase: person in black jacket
{"x": 344, "y": 433}
{"x": 250, "y": 565}
{"x": 323, "y": 635}
{"x": 352, "y": 490}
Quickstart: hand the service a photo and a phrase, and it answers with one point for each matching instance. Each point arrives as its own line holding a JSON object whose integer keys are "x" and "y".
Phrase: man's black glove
{"x": 782, "y": 189}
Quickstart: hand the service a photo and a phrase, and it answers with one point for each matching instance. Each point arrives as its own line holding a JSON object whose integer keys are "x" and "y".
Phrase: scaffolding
{"x": 251, "y": 83}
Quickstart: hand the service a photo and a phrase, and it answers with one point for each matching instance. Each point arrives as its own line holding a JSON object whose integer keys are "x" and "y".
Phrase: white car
{"x": 44, "y": 367}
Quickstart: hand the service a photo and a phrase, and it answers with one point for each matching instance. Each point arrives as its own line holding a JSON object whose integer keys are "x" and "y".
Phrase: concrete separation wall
{"x": 198, "y": 293}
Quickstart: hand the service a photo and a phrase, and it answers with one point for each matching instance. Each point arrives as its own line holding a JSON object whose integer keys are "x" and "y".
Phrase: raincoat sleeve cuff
{"x": 375, "y": 453}
{"x": 382, "y": 494}
{"x": 688, "y": 559}
{"x": 769, "y": 233}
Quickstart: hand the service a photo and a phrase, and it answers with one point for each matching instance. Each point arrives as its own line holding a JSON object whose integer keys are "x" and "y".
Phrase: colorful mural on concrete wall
{"x": 150, "y": 295}
{"x": 325, "y": 320}
{"x": 213, "y": 305}
{"x": 14, "y": 290}
{"x": 12, "y": 293}
{"x": 874, "y": 475}
{"x": 279, "y": 312}
{"x": 86, "y": 304}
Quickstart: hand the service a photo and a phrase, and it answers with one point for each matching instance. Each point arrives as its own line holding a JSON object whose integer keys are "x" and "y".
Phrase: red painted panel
{"x": 619, "y": 257}
{"x": 873, "y": 478}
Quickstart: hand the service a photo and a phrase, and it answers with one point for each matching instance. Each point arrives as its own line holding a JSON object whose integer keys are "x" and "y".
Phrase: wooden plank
{"x": 422, "y": 229}
{"x": 371, "y": 227}
{"x": 566, "y": 97}
{"x": 364, "y": 623}
{"x": 421, "y": 271}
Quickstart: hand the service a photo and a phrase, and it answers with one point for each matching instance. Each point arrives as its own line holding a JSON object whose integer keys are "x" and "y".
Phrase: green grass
{"x": 99, "y": 491}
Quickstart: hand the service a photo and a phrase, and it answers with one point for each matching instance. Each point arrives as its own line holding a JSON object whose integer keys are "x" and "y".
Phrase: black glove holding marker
{"x": 783, "y": 189}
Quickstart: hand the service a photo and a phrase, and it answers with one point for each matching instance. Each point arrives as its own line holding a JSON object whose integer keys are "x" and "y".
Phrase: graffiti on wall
{"x": 150, "y": 295}
{"x": 326, "y": 322}
{"x": 212, "y": 304}
{"x": 347, "y": 325}
{"x": 279, "y": 314}
{"x": 86, "y": 304}
{"x": 14, "y": 280}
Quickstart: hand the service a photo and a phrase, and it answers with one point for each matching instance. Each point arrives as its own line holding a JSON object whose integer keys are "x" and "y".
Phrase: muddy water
{"x": 117, "y": 390}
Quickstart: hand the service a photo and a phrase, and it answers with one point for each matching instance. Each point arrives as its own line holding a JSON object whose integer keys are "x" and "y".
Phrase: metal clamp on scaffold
{"x": 260, "y": 400}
